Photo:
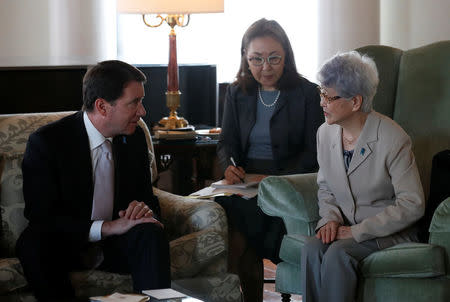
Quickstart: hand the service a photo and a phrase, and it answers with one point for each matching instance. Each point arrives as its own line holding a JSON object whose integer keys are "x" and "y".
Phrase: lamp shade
{"x": 169, "y": 6}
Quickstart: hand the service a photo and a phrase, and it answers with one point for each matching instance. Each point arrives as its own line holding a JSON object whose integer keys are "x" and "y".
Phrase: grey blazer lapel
{"x": 368, "y": 136}
{"x": 338, "y": 161}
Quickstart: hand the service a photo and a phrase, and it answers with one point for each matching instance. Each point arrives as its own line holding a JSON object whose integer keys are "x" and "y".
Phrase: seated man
{"x": 88, "y": 194}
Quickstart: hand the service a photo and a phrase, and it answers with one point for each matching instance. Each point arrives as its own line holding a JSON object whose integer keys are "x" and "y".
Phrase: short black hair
{"x": 107, "y": 80}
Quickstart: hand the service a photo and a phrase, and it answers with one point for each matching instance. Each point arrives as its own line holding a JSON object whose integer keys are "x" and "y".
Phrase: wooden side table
{"x": 191, "y": 162}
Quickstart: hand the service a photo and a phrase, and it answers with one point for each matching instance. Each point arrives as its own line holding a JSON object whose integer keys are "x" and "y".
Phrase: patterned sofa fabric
{"x": 197, "y": 229}
{"x": 11, "y": 275}
{"x": 14, "y": 132}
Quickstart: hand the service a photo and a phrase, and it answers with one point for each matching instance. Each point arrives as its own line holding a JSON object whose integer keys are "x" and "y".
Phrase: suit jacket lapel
{"x": 282, "y": 101}
{"x": 83, "y": 164}
{"x": 338, "y": 160}
{"x": 248, "y": 117}
{"x": 368, "y": 135}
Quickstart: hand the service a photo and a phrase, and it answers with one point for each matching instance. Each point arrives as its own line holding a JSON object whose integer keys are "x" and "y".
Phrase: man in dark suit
{"x": 73, "y": 223}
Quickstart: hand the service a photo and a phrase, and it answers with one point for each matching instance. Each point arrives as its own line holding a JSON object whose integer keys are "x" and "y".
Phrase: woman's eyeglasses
{"x": 259, "y": 61}
{"x": 329, "y": 99}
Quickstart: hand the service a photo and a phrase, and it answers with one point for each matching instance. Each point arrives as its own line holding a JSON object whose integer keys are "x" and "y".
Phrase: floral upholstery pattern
{"x": 11, "y": 275}
{"x": 197, "y": 230}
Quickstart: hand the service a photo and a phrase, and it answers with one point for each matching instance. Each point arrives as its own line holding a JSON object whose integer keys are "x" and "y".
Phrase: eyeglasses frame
{"x": 264, "y": 60}
{"x": 328, "y": 99}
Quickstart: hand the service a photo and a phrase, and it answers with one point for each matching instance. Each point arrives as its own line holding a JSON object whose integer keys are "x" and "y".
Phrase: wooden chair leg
{"x": 251, "y": 273}
{"x": 285, "y": 297}
{"x": 243, "y": 261}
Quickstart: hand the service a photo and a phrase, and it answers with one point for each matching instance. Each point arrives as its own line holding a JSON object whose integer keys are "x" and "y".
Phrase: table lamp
{"x": 173, "y": 12}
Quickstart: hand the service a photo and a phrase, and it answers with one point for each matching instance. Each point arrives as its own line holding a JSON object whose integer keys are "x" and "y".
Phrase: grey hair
{"x": 351, "y": 74}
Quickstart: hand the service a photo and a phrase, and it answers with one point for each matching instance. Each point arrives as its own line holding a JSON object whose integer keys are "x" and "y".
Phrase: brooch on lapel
{"x": 124, "y": 139}
{"x": 363, "y": 151}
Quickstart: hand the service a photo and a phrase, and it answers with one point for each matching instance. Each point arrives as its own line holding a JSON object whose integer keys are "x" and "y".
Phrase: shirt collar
{"x": 95, "y": 137}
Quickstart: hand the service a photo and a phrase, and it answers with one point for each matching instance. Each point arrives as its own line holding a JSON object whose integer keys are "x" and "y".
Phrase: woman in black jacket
{"x": 269, "y": 127}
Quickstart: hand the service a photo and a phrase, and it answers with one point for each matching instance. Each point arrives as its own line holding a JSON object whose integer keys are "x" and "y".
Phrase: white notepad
{"x": 165, "y": 293}
{"x": 251, "y": 180}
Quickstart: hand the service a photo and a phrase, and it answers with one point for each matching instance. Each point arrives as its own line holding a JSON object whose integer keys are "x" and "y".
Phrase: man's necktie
{"x": 104, "y": 184}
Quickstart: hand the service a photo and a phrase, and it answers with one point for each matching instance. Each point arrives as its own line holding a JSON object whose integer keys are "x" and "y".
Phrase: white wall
{"x": 407, "y": 24}
{"x": 347, "y": 24}
{"x": 24, "y": 33}
{"x": 216, "y": 38}
{"x": 56, "y": 32}
{"x": 66, "y": 32}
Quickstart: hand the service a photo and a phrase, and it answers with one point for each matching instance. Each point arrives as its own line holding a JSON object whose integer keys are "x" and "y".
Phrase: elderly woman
{"x": 269, "y": 127}
{"x": 370, "y": 193}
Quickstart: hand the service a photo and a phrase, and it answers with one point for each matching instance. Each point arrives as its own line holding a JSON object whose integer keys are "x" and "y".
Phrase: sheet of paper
{"x": 210, "y": 192}
{"x": 251, "y": 180}
{"x": 118, "y": 297}
{"x": 165, "y": 293}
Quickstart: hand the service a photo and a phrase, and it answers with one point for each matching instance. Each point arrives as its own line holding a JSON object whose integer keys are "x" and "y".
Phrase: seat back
{"x": 422, "y": 104}
{"x": 387, "y": 60}
{"x": 14, "y": 132}
{"x": 414, "y": 90}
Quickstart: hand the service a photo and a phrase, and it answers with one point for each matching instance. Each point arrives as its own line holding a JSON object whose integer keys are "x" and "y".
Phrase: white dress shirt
{"x": 95, "y": 140}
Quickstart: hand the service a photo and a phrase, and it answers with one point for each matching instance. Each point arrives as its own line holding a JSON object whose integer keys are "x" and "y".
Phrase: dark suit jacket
{"x": 293, "y": 128}
{"x": 58, "y": 178}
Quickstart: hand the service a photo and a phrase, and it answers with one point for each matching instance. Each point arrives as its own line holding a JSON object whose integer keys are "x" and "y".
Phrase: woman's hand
{"x": 328, "y": 232}
{"x": 234, "y": 175}
{"x": 344, "y": 232}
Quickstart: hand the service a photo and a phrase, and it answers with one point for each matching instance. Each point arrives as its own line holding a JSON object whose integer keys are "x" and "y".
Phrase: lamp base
{"x": 173, "y": 121}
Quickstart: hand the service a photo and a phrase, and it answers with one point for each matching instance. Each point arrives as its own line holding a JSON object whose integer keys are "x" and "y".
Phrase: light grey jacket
{"x": 380, "y": 195}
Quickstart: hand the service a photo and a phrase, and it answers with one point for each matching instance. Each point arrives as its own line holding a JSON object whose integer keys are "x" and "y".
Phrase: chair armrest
{"x": 182, "y": 215}
{"x": 196, "y": 252}
{"x": 440, "y": 228}
{"x": 198, "y": 234}
{"x": 293, "y": 198}
{"x": 405, "y": 260}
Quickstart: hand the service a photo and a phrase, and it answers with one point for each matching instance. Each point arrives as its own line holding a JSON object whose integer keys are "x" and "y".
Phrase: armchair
{"x": 197, "y": 230}
{"x": 414, "y": 90}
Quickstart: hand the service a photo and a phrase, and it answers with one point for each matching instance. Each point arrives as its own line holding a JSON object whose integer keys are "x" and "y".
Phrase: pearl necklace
{"x": 262, "y": 100}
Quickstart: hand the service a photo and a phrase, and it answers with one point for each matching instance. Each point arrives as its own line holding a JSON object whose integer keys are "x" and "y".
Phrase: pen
{"x": 234, "y": 164}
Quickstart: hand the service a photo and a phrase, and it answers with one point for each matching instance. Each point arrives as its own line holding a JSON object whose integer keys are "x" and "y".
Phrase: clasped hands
{"x": 136, "y": 213}
{"x": 333, "y": 231}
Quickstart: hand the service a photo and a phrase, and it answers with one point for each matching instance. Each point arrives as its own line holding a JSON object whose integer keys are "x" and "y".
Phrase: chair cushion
{"x": 406, "y": 260}
{"x": 291, "y": 248}
{"x": 11, "y": 275}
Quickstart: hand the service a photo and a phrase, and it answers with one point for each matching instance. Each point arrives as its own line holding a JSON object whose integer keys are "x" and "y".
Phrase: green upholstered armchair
{"x": 414, "y": 90}
{"x": 197, "y": 230}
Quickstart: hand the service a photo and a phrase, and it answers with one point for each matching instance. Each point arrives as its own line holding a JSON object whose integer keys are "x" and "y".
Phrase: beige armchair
{"x": 197, "y": 230}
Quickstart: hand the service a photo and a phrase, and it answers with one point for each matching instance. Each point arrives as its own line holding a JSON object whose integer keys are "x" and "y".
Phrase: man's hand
{"x": 136, "y": 213}
{"x": 344, "y": 232}
{"x": 136, "y": 210}
{"x": 328, "y": 232}
{"x": 234, "y": 175}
